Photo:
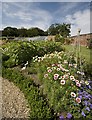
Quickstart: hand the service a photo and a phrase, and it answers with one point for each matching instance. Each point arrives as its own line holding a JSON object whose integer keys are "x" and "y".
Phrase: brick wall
{"x": 84, "y": 38}
{"x": 51, "y": 38}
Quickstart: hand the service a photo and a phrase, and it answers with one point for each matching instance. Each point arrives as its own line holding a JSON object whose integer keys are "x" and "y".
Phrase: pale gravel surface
{"x": 14, "y": 104}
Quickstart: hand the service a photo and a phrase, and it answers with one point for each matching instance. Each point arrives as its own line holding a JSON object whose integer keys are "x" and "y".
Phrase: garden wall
{"x": 84, "y": 38}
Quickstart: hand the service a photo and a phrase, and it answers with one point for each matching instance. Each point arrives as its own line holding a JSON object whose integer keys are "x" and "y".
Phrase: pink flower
{"x": 62, "y": 82}
{"x": 78, "y": 84}
{"x": 73, "y": 94}
{"x": 46, "y": 75}
{"x": 53, "y": 65}
{"x": 78, "y": 100}
{"x": 56, "y": 76}
{"x": 77, "y": 81}
{"x": 49, "y": 70}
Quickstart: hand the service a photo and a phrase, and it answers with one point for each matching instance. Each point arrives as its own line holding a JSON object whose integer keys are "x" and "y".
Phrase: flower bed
{"x": 64, "y": 82}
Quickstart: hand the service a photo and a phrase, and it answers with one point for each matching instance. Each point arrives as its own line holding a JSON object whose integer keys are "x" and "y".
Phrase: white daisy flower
{"x": 62, "y": 82}
{"x": 72, "y": 78}
{"x": 58, "y": 69}
{"x": 73, "y": 94}
{"x": 86, "y": 82}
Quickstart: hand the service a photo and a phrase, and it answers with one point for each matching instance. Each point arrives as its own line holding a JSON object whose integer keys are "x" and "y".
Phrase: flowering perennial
{"x": 67, "y": 89}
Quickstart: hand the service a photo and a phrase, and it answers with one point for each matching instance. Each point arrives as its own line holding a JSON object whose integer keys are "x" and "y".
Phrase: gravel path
{"x": 14, "y": 103}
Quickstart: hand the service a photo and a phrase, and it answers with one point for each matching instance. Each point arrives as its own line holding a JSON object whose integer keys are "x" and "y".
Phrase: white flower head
{"x": 46, "y": 75}
{"x": 75, "y": 65}
{"x": 56, "y": 76}
{"x": 73, "y": 94}
{"x": 82, "y": 73}
{"x": 62, "y": 82}
{"x": 72, "y": 78}
{"x": 70, "y": 65}
{"x": 78, "y": 72}
{"x": 65, "y": 62}
{"x": 86, "y": 82}
{"x": 66, "y": 70}
{"x": 58, "y": 69}
{"x": 49, "y": 70}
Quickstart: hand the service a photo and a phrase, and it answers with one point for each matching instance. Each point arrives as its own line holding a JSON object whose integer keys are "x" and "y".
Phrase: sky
{"x": 42, "y": 14}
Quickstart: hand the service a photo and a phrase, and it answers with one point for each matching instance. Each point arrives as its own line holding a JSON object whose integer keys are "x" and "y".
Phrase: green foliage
{"x": 90, "y": 43}
{"x": 9, "y": 31}
{"x": 16, "y": 53}
{"x": 39, "y": 108}
{"x": 47, "y": 47}
{"x": 88, "y": 69}
{"x": 23, "y": 32}
{"x": 59, "y": 38}
{"x": 62, "y": 29}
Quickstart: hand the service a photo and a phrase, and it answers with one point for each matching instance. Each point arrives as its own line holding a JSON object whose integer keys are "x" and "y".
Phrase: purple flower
{"x": 89, "y": 87}
{"x": 80, "y": 96}
{"x": 87, "y": 96}
{"x": 86, "y": 103}
{"x": 90, "y": 106}
{"x": 61, "y": 117}
{"x": 83, "y": 114}
{"x": 87, "y": 108}
{"x": 69, "y": 116}
{"x": 80, "y": 93}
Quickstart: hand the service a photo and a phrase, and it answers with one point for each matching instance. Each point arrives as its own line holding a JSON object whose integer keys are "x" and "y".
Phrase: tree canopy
{"x": 62, "y": 29}
{"x": 57, "y": 28}
{"x": 23, "y": 32}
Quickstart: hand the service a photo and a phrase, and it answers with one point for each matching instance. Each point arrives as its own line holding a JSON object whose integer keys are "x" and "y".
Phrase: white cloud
{"x": 0, "y": 15}
{"x": 30, "y": 15}
{"x": 80, "y": 19}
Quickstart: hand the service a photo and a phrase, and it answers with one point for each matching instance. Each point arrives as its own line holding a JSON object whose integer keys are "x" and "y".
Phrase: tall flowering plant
{"x": 66, "y": 86}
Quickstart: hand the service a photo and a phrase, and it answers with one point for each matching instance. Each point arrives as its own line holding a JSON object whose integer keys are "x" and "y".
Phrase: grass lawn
{"x": 84, "y": 52}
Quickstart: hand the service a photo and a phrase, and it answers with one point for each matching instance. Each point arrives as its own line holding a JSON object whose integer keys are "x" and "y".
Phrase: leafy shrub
{"x": 59, "y": 38}
{"x": 16, "y": 53}
{"x": 45, "y": 47}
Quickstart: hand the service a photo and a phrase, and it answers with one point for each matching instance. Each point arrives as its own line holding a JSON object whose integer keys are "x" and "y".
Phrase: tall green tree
{"x": 22, "y": 32}
{"x": 10, "y": 31}
{"x": 35, "y": 32}
{"x": 62, "y": 29}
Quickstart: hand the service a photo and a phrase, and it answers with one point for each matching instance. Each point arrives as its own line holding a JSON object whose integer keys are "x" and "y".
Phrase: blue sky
{"x": 43, "y": 14}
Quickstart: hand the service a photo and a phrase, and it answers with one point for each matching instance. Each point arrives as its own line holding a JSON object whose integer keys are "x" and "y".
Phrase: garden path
{"x": 14, "y": 104}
